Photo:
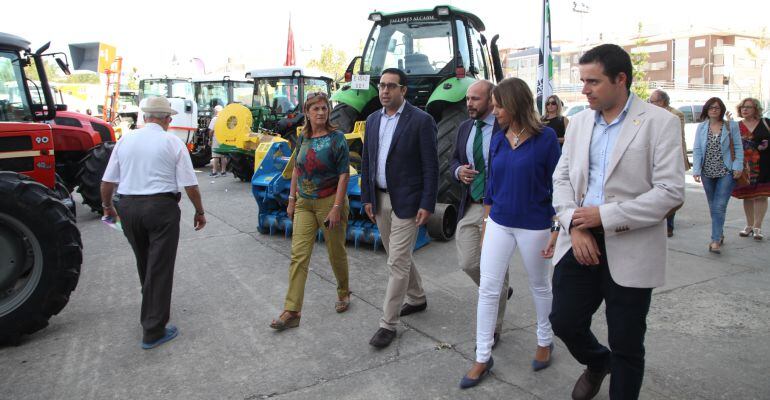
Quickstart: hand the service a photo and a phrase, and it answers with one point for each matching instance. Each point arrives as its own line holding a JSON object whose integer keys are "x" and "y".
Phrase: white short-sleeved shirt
{"x": 150, "y": 161}
{"x": 214, "y": 141}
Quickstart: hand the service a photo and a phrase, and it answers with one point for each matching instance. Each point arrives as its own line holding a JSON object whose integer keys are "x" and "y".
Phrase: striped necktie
{"x": 477, "y": 186}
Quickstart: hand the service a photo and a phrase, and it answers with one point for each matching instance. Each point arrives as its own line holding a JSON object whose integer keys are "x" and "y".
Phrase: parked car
{"x": 691, "y": 113}
{"x": 573, "y": 109}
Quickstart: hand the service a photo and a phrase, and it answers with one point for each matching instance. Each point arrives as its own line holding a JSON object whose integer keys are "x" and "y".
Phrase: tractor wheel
{"x": 451, "y": 118}
{"x": 63, "y": 194}
{"x": 40, "y": 256}
{"x": 443, "y": 222}
{"x": 242, "y": 166}
{"x": 201, "y": 156}
{"x": 344, "y": 117}
{"x": 89, "y": 177}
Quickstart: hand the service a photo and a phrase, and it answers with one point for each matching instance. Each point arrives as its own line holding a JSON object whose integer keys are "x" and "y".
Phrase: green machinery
{"x": 276, "y": 108}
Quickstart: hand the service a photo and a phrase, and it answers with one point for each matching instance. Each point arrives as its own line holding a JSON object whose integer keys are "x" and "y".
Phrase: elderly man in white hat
{"x": 149, "y": 168}
{"x": 218, "y": 160}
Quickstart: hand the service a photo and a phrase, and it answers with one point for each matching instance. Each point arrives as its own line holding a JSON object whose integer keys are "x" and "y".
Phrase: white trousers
{"x": 499, "y": 244}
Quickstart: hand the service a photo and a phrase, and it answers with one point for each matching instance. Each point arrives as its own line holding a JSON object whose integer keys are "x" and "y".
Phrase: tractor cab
{"x": 26, "y": 147}
{"x": 279, "y": 95}
{"x": 184, "y": 124}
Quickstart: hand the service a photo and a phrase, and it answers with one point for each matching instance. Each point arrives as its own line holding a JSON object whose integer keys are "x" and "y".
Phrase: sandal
{"x": 287, "y": 319}
{"x": 714, "y": 248}
{"x": 746, "y": 232}
{"x": 342, "y": 304}
{"x": 758, "y": 234}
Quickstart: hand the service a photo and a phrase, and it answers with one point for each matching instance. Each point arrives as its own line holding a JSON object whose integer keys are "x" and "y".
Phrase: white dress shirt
{"x": 150, "y": 161}
{"x": 387, "y": 129}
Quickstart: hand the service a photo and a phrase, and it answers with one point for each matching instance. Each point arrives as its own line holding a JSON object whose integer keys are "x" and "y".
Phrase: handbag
{"x": 743, "y": 179}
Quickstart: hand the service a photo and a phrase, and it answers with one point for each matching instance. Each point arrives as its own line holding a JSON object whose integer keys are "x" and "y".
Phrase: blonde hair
{"x": 514, "y": 96}
{"x": 307, "y": 127}
{"x": 559, "y": 106}
{"x": 757, "y": 106}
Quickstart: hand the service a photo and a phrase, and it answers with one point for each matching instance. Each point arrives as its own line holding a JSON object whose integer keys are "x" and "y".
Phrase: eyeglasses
{"x": 747, "y": 107}
{"x": 550, "y": 103}
{"x": 389, "y": 86}
{"x": 715, "y": 107}
{"x": 314, "y": 94}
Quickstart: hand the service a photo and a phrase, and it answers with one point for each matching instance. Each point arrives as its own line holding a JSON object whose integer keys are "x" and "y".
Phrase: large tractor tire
{"x": 344, "y": 117}
{"x": 242, "y": 166}
{"x": 63, "y": 194}
{"x": 40, "y": 256}
{"x": 201, "y": 156}
{"x": 451, "y": 118}
{"x": 89, "y": 177}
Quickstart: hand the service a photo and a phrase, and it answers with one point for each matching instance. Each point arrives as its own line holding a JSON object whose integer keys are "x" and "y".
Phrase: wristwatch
{"x": 555, "y": 226}
{"x": 199, "y": 213}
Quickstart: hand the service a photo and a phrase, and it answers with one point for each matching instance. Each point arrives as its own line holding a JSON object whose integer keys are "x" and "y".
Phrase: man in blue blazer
{"x": 399, "y": 183}
{"x": 473, "y": 138}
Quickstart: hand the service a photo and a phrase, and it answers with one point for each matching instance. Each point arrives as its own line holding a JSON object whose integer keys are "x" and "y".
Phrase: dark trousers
{"x": 151, "y": 225}
{"x": 578, "y": 291}
{"x": 670, "y": 222}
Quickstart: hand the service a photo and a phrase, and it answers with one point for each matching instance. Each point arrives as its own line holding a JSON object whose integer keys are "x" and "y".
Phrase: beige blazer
{"x": 645, "y": 179}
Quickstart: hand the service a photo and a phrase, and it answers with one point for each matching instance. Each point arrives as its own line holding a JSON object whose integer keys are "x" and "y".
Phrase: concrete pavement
{"x": 707, "y": 329}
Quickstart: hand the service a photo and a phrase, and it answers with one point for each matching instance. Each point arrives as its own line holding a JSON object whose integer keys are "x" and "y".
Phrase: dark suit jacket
{"x": 461, "y": 158}
{"x": 411, "y": 169}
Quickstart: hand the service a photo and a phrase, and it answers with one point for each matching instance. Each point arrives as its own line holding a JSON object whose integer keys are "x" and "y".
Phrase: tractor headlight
{"x": 442, "y": 11}
{"x": 375, "y": 17}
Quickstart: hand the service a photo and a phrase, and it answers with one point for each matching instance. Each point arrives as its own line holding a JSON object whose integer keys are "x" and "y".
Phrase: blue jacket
{"x": 699, "y": 148}
{"x": 460, "y": 157}
{"x": 411, "y": 169}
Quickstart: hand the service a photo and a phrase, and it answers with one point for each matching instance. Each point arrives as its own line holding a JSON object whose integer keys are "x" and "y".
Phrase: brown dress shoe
{"x": 588, "y": 385}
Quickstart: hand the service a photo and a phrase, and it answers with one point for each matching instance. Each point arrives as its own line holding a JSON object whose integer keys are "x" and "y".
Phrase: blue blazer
{"x": 460, "y": 157}
{"x": 411, "y": 169}
{"x": 699, "y": 147}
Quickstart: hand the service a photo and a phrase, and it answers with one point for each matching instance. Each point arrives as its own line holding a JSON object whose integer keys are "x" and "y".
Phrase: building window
{"x": 658, "y": 66}
{"x": 700, "y": 43}
{"x": 650, "y": 48}
{"x": 696, "y": 61}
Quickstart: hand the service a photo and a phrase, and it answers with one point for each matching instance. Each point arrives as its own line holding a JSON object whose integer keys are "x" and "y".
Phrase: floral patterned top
{"x": 713, "y": 162}
{"x": 320, "y": 161}
{"x": 756, "y": 152}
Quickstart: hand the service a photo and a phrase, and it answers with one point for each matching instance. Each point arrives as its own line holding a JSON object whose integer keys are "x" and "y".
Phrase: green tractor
{"x": 209, "y": 93}
{"x": 278, "y": 97}
{"x": 442, "y": 52}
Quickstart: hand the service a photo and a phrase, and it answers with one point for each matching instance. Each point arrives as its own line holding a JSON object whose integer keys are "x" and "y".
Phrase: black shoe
{"x": 588, "y": 385}
{"x": 510, "y": 292}
{"x": 407, "y": 308}
{"x": 382, "y": 338}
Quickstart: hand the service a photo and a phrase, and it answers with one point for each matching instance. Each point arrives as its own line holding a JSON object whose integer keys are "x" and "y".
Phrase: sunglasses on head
{"x": 314, "y": 94}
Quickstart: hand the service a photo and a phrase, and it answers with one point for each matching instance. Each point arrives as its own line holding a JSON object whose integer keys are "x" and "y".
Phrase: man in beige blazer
{"x": 619, "y": 175}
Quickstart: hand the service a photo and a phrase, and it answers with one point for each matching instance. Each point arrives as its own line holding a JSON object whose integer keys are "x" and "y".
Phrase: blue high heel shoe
{"x": 466, "y": 382}
{"x": 538, "y": 365}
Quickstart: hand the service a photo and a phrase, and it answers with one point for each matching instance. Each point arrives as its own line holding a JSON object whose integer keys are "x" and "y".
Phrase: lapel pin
{"x": 636, "y": 122}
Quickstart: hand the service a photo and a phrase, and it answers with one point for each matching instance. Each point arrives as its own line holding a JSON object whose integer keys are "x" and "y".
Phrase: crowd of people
{"x": 596, "y": 194}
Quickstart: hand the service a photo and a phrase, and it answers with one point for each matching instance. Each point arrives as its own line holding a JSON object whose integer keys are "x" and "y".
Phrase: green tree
{"x": 54, "y": 74}
{"x": 331, "y": 61}
{"x": 639, "y": 62}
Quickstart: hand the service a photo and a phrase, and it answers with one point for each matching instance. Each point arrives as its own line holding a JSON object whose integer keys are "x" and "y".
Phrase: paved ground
{"x": 707, "y": 337}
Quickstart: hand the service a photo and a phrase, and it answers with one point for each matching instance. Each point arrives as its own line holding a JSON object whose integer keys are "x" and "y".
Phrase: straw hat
{"x": 158, "y": 104}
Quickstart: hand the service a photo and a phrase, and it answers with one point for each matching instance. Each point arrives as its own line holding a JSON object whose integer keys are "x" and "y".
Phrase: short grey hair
{"x": 156, "y": 115}
{"x": 663, "y": 96}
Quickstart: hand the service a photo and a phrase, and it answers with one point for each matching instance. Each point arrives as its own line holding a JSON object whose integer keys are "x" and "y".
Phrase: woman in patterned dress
{"x": 755, "y": 132}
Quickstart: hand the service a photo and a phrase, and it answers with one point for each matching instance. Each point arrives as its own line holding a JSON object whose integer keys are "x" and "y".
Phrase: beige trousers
{"x": 468, "y": 241}
{"x": 398, "y": 239}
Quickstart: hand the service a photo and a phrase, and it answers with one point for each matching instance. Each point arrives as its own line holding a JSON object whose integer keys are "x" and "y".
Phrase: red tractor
{"x": 83, "y": 146}
{"x": 40, "y": 245}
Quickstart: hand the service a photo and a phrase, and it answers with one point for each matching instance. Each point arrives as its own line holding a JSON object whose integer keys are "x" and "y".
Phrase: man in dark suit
{"x": 399, "y": 183}
{"x": 469, "y": 165}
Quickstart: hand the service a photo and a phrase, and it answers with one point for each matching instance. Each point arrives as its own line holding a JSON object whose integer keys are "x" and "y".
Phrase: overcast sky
{"x": 149, "y": 33}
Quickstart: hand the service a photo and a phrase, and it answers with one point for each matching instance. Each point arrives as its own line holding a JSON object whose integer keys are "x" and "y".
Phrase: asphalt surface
{"x": 707, "y": 328}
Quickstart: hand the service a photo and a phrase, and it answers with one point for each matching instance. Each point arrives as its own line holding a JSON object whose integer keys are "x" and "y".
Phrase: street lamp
{"x": 582, "y": 9}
